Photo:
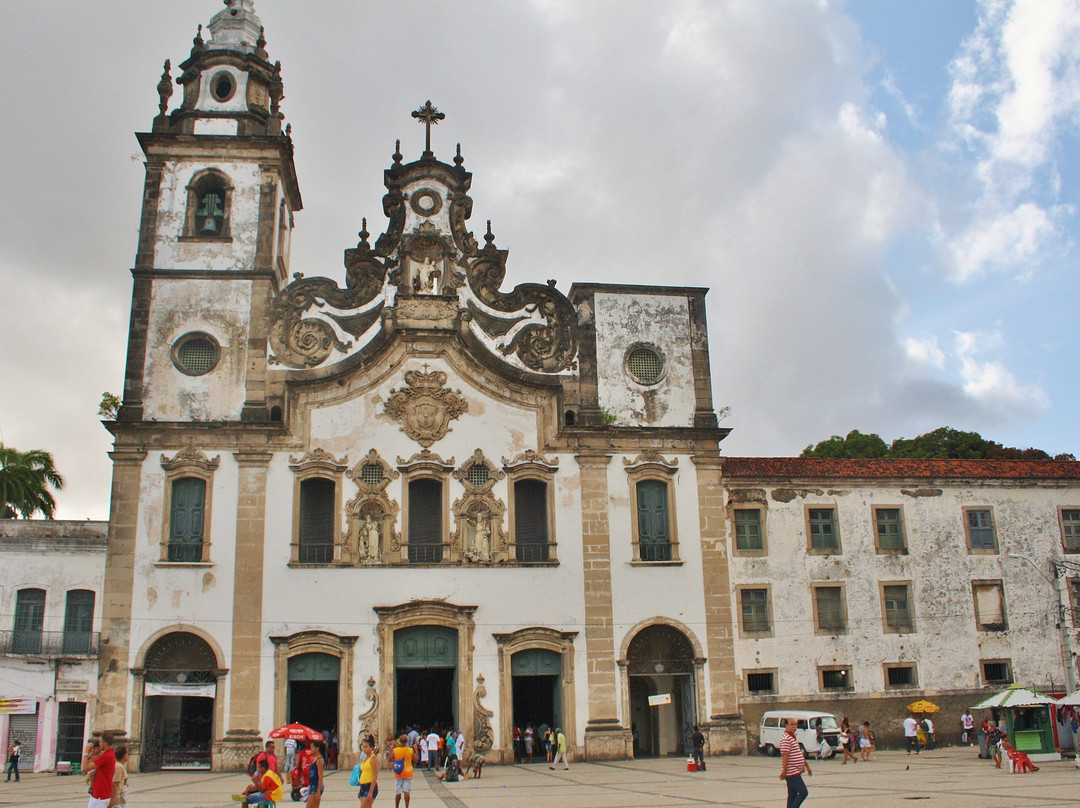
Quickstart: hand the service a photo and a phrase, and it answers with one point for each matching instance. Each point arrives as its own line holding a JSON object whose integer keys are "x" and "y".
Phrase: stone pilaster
{"x": 247, "y": 635}
{"x": 605, "y": 739}
{"x": 725, "y": 728}
{"x": 112, "y": 689}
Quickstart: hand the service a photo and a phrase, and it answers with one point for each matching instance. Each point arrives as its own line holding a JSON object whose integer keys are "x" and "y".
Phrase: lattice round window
{"x": 478, "y": 476}
{"x": 645, "y": 365}
{"x": 195, "y": 354}
{"x": 371, "y": 474}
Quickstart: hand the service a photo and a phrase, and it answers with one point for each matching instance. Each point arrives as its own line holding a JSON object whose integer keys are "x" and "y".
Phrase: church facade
{"x": 416, "y": 497}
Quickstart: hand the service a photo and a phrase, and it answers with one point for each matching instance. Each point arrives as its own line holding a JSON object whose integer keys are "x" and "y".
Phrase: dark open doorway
{"x": 425, "y": 697}
{"x": 534, "y": 701}
{"x": 314, "y": 704}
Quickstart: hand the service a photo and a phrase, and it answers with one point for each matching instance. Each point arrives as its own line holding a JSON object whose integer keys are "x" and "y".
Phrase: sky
{"x": 881, "y": 195}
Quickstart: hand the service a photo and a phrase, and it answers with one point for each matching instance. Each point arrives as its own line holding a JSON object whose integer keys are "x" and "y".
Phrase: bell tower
{"x": 217, "y": 214}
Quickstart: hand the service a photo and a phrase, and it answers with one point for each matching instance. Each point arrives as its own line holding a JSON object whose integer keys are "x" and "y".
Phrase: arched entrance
{"x": 425, "y": 677}
{"x": 660, "y": 662}
{"x": 179, "y": 692}
{"x": 313, "y": 691}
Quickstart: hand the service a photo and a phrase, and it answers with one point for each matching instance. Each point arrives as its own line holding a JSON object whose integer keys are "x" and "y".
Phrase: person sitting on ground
{"x": 477, "y": 766}
{"x": 453, "y": 772}
{"x": 265, "y": 786}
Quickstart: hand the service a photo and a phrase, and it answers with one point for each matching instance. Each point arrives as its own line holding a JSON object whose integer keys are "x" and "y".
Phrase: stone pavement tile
{"x": 942, "y": 779}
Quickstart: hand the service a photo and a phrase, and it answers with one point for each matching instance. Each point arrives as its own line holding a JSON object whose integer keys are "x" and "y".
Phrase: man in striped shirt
{"x": 792, "y": 765}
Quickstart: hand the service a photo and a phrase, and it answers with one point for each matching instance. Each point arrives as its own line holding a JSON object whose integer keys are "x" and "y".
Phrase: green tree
{"x": 109, "y": 406}
{"x": 856, "y": 444}
{"x": 25, "y": 479}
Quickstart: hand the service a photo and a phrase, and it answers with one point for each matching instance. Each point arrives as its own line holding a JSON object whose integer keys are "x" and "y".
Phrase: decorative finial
{"x": 164, "y": 87}
{"x": 198, "y": 43}
{"x": 397, "y": 151}
{"x": 458, "y": 159}
{"x": 363, "y": 233}
{"x": 489, "y": 237}
{"x": 430, "y": 116}
{"x": 288, "y": 130}
{"x": 260, "y": 43}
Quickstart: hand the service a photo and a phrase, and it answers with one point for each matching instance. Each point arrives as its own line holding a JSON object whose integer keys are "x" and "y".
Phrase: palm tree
{"x": 25, "y": 478}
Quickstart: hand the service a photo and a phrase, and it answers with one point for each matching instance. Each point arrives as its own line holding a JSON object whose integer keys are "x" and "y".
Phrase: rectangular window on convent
{"x": 980, "y": 529}
{"x": 187, "y": 512}
{"x": 890, "y": 532}
{"x": 898, "y": 617}
{"x": 748, "y": 529}
{"x": 654, "y": 527}
{"x": 316, "y": 530}
{"x": 425, "y": 521}
{"x": 1074, "y": 597}
{"x": 900, "y": 676}
{"x": 997, "y": 671}
{"x": 754, "y": 604}
{"x": 836, "y": 678}
{"x": 760, "y": 683}
{"x": 824, "y": 535}
{"x": 829, "y": 609}
{"x": 531, "y": 520}
{"x": 989, "y": 605}
{"x": 1070, "y": 530}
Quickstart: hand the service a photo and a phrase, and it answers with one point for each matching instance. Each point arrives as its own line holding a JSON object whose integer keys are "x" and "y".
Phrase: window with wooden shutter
{"x": 29, "y": 621}
{"x": 531, "y": 539}
{"x": 425, "y": 521}
{"x": 654, "y": 530}
{"x": 188, "y": 509}
{"x": 78, "y": 621}
{"x": 316, "y": 536}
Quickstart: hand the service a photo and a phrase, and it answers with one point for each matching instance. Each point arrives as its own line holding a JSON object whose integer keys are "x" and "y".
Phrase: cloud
{"x": 989, "y": 382}
{"x": 1015, "y": 94}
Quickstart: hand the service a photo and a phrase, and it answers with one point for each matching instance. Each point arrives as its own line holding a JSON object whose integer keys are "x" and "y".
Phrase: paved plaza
{"x": 949, "y": 777}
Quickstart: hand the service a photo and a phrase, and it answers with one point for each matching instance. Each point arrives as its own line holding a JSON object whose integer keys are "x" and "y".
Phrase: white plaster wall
{"x": 217, "y": 307}
{"x": 239, "y": 253}
{"x": 238, "y": 102}
{"x": 663, "y": 321}
{"x": 441, "y": 220}
{"x": 180, "y": 596}
{"x": 946, "y": 644}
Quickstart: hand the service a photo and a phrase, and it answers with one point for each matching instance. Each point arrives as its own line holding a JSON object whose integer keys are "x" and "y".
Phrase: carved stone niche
{"x": 427, "y": 260}
{"x": 479, "y": 537}
{"x": 371, "y": 535}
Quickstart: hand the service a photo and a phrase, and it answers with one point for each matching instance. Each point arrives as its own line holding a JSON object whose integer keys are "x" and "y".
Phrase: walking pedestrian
{"x": 403, "y": 770}
{"x": 290, "y": 754}
{"x": 968, "y": 723}
{"x": 911, "y": 734}
{"x": 120, "y": 779}
{"x": 792, "y": 765}
{"x": 99, "y": 765}
{"x": 316, "y": 769}
{"x": 13, "y": 760}
{"x": 697, "y": 738}
{"x": 369, "y": 773}
{"x": 560, "y": 751}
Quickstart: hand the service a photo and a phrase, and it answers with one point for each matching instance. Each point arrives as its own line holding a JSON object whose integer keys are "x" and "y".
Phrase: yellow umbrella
{"x": 923, "y": 706}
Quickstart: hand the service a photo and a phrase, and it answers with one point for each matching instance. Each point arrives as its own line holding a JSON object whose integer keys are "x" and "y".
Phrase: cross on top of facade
{"x": 429, "y": 115}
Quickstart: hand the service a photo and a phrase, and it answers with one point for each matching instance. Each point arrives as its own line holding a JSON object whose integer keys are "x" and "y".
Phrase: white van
{"x": 774, "y": 724}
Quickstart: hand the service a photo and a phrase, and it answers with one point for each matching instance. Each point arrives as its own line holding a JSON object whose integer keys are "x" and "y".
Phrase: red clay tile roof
{"x": 820, "y": 467}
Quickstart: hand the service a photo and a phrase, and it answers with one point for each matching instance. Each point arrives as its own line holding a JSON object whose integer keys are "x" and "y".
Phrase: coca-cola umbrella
{"x": 298, "y": 732}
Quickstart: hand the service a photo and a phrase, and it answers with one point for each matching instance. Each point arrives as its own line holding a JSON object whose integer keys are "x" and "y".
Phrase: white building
{"x": 423, "y": 498}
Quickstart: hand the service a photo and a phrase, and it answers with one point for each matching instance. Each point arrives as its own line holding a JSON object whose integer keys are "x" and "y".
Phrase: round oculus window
{"x": 196, "y": 354}
{"x": 645, "y": 365}
{"x": 222, "y": 86}
{"x": 426, "y": 202}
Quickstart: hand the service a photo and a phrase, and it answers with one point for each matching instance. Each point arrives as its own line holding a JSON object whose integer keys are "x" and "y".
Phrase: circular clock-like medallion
{"x": 426, "y": 202}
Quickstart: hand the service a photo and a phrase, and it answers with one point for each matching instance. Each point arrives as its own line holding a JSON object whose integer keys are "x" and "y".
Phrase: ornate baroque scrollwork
{"x": 483, "y": 736}
{"x": 301, "y": 342}
{"x": 371, "y": 513}
{"x": 369, "y": 719}
{"x": 425, "y": 408}
{"x": 547, "y": 347}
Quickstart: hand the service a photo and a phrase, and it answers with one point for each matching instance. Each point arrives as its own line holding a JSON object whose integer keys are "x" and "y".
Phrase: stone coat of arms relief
{"x": 425, "y": 407}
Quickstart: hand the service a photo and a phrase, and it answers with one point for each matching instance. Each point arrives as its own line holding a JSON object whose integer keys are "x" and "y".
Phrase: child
{"x": 120, "y": 778}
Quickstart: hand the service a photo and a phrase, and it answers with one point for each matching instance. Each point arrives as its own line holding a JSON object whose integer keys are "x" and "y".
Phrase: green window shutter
{"x": 425, "y": 521}
{"x": 186, "y": 519}
{"x": 531, "y": 520}
{"x": 654, "y": 536}
{"x": 316, "y": 539}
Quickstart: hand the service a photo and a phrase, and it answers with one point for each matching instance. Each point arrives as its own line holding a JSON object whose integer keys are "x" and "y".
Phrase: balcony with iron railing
{"x": 50, "y": 643}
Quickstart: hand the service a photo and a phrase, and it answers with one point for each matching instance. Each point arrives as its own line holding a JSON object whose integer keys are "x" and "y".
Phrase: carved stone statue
{"x": 369, "y": 538}
{"x": 427, "y": 273}
{"x": 480, "y": 548}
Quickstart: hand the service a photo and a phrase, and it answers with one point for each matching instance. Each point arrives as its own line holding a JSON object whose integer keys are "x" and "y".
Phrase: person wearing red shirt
{"x": 99, "y": 761}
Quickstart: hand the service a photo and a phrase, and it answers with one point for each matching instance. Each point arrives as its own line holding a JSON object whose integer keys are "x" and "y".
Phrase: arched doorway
{"x": 179, "y": 691}
{"x": 537, "y": 696}
{"x": 312, "y": 695}
{"x": 660, "y": 663}
{"x": 425, "y": 677}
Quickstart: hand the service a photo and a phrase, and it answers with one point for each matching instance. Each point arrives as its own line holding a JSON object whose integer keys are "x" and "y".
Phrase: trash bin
{"x": 984, "y": 753}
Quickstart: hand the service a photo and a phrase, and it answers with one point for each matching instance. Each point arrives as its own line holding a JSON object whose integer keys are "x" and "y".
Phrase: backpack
{"x": 253, "y": 765}
{"x": 399, "y": 765}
